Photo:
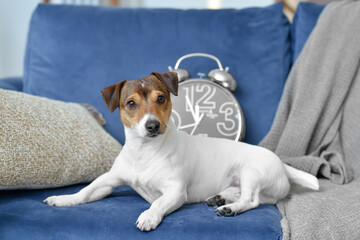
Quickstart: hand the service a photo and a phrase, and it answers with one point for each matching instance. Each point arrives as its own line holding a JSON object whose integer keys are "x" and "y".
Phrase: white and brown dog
{"x": 169, "y": 168}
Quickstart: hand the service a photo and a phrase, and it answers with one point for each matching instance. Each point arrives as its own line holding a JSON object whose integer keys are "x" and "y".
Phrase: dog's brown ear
{"x": 111, "y": 95}
{"x": 170, "y": 80}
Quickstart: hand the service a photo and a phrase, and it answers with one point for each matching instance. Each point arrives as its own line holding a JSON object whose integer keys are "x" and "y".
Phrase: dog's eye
{"x": 161, "y": 99}
{"x": 131, "y": 105}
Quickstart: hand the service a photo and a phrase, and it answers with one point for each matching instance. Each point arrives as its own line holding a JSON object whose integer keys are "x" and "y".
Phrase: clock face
{"x": 205, "y": 108}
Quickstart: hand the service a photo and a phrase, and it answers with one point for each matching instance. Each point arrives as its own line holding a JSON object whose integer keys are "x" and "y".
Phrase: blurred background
{"x": 15, "y": 18}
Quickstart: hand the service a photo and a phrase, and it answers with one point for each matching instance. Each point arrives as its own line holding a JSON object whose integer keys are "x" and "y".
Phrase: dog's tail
{"x": 302, "y": 178}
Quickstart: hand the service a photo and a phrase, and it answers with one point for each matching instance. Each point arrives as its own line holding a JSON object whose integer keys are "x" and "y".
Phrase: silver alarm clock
{"x": 206, "y": 106}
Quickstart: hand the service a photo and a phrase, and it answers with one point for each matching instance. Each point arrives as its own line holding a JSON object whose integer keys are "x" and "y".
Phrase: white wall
{"x": 14, "y": 20}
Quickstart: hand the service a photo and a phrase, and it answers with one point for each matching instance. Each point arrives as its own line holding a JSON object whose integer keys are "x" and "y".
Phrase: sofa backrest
{"x": 304, "y": 21}
{"x": 73, "y": 52}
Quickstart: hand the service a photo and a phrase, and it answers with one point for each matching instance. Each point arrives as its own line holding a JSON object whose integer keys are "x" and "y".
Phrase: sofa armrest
{"x": 12, "y": 83}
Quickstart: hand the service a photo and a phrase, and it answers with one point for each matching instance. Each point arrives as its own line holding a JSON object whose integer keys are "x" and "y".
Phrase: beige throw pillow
{"x": 47, "y": 143}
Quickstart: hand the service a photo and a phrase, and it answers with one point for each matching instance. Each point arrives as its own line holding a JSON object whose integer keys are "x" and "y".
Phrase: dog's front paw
{"x": 61, "y": 201}
{"x": 148, "y": 221}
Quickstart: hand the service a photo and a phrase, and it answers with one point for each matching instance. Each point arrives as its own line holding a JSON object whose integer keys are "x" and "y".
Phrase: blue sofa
{"x": 73, "y": 52}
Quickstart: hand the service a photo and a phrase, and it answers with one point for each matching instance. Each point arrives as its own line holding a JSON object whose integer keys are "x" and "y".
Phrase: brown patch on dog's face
{"x": 145, "y": 96}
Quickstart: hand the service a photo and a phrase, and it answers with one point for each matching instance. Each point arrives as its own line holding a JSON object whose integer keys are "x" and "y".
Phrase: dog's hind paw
{"x": 215, "y": 201}
{"x": 225, "y": 212}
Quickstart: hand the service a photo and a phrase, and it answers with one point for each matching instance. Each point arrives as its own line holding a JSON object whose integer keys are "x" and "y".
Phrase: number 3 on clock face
{"x": 206, "y": 108}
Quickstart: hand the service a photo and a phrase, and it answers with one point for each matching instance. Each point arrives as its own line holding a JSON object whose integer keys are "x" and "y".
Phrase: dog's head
{"x": 145, "y": 103}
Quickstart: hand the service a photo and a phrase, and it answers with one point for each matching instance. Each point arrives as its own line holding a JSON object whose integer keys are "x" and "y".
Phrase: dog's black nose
{"x": 153, "y": 127}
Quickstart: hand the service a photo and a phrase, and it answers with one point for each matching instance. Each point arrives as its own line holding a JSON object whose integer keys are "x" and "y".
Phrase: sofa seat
{"x": 23, "y": 215}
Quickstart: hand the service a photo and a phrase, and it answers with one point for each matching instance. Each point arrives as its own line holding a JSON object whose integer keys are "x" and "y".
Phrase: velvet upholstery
{"x": 23, "y": 215}
{"x": 12, "y": 83}
{"x": 75, "y": 52}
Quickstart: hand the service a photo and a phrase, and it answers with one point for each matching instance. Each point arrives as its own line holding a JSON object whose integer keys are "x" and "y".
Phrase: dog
{"x": 169, "y": 168}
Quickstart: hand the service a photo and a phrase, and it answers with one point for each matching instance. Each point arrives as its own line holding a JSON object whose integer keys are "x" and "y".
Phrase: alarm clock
{"x": 206, "y": 106}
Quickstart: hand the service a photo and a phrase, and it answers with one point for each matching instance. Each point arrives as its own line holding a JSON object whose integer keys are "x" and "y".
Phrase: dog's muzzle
{"x": 152, "y": 128}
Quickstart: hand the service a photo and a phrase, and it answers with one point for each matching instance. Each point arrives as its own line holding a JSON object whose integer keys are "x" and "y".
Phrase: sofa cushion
{"x": 22, "y": 214}
{"x": 305, "y": 20}
{"x": 12, "y": 83}
{"x": 74, "y": 52}
{"x": 48, "y": 143}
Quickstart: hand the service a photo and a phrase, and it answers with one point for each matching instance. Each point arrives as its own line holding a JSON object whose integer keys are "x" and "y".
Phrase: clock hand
{"x": 193, "y": 124}
{"x": 197, "y": 123}
{"x": 197, "y": 113}
{"x": 198, "y": 117}
{"x": 187, "y": 126}
{"x": 194, "y": 115}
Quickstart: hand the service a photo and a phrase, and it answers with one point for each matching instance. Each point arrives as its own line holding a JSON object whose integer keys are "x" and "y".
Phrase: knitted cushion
{"x": 48, "y": 143}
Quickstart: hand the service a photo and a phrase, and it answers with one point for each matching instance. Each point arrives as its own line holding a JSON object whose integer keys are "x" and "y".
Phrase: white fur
{"x": 175, "y": 168}
{"x": 140, "y": 127}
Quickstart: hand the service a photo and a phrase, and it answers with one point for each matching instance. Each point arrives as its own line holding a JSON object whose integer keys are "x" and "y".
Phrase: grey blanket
{"x": 317, "y": 128}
